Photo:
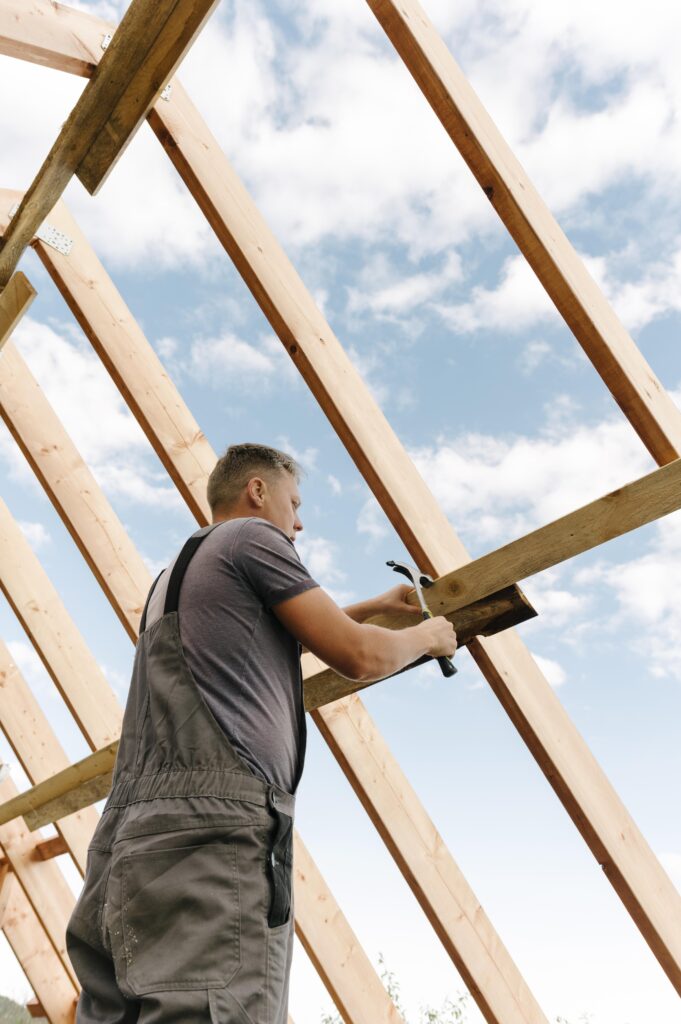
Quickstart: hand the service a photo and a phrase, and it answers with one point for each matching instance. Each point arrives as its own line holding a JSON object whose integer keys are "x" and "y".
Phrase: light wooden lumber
{"x": 563, "y": 274}
{"x": 43, "y": 442}
{"x": 42, "y": 881}
{"x": 494, "y": 979}
{"x": 54, "y": 847}
{"x": 38, "y": 750}
{"x": 65, "y": 790}
{"x": 41, "y": 965}
{"x": 132, "y": 362}
{"x": 628, "y": 508}
{"x": 62, "y": 649}
{"x": 509, "y": 668}
{"x": 14, "y": 302}
{"x": 145, "y": 51}
{"x": 345, "y": 969}
{"x": 53, "y": 35}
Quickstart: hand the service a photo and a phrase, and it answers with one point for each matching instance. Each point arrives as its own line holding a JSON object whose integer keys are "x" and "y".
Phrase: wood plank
{"x": 14, "y": 302}
{"x": 145, "y": 51}
{"x": 38, "y": 750}
{"x": 61, "y": 647}
{"x": 48, "y": 451}
{"x": 508, "y": 666}
{"x": 563, "y": 274}
{"x": 615, "y": 514}
{"x": 52, "y": 35}
{"x": 42, "y": 881}
{"x": 35, "y": 1008}
{"x": 50, "y": 848}
{"x": 132, "y": 362}
{"x": 41, "y": 965}
{"x": 59, "y": 785}
{"x": 499, "y": 988}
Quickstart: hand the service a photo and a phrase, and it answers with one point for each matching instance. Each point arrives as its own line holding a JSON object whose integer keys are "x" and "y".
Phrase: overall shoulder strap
{"x": 185, "y": 556}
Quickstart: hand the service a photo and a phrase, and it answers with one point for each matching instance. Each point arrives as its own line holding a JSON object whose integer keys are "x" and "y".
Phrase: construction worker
{"x": 186, "y": 912}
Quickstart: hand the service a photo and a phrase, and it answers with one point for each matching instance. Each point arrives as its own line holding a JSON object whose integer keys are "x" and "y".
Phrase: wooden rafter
{"x": 32, "y": 948}
{"x": 539, "y": 237}
{"x": 144, "y": 52}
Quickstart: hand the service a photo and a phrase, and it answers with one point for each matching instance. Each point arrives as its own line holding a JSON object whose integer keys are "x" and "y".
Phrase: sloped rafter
{"x": 14, "y": 303}
{"x": 577, "y": 297}
{"x": 29, "y": 943}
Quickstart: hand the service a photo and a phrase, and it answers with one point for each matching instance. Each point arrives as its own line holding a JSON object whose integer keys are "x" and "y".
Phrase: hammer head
{"x": 416, "y": 577}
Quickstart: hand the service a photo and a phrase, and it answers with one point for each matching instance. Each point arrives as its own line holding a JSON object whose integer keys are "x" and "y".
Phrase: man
{"x": 186, "y": 913}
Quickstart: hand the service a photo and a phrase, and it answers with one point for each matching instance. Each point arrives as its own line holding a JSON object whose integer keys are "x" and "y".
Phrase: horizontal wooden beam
{"x": 14, "y": 302}
{"x": 50, "y": 848}
{"x": 144, "y": 52}
{"x": 615, "y": 514}
{"x": 577, "y": 297}
{"x": 83, "y": 781}
{"x": 52, "y": 35}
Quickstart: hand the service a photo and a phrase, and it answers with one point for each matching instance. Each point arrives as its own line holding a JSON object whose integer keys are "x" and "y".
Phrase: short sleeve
{"x": 269, "y": 562}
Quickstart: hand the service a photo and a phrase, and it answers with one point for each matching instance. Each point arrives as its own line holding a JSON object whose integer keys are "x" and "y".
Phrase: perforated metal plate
{"x": 48, "y": 234}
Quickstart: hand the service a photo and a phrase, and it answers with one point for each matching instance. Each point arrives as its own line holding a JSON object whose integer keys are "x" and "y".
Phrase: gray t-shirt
{"x": 246, "y": 665}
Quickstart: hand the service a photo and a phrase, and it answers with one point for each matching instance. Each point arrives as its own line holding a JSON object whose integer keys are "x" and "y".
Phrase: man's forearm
{"x": 385, "y": 651}
{"x": 363, "y": 610}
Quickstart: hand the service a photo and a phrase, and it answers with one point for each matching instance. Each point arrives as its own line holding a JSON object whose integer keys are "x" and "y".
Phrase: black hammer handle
{"x": 446, "y": 664}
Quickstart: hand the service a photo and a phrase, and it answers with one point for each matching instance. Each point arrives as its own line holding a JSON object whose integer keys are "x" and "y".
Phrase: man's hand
{"x": 393, "y": 600}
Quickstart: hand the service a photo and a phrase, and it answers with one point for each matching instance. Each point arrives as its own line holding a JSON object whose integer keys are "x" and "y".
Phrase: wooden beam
{"x": 64, "y": 791}
{"x": 42, "y": 881}
{"x": 35, "y": 1008}
{"x": 43, "y": 969}
{"x": 615, "y": 514}
{"x": 563, "y": 274}
{"x": 39, "y": 752}
{"x": 145, "y": 51}
{"x": 50, "y": 848}
{"x": 507, "y": 665}
{"x": 52, "y": 35}
{"x": 14, "y": 302}
{"x": 492, "y": 977}
{"x": 62, "y": 649}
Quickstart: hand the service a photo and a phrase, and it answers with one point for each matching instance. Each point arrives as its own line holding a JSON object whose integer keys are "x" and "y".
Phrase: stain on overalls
{"x": 186, "y": 913}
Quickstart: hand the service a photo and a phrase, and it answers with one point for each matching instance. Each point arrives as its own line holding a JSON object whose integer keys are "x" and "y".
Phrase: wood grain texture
{"x": 41, "y": 965}
{"x": 14, "y": 302}
{"x": 577, "y": 297}
{"x": 38, "y": 750}
{"x": 62, "y": 649}
{"x": 42, "y": 881}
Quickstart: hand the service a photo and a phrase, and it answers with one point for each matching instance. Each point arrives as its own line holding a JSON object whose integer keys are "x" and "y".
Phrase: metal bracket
{"x": 165, "y": 95}
{"x": 50, "y": 235}
{"x": 106, "y": 40}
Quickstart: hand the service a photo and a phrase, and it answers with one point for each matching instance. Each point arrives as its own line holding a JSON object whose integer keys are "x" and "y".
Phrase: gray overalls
{"x": 186, "y": 913}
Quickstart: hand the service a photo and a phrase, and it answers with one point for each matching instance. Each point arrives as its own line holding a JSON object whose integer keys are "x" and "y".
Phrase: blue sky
{"x": 488, "y": 391}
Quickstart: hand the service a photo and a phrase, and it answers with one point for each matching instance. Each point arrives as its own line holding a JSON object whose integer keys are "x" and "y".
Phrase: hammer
{"x": 418, "y": 580}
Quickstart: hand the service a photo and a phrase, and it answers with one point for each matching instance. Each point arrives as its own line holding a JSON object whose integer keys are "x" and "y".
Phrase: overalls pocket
{"x": 279, "y": 865}
{"x": 180, "y": 917}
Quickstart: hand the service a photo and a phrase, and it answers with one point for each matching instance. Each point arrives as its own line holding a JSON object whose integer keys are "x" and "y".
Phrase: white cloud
{"x": 554, "y": 673}
{"x": 372, "y": 521}
{"x": 334, "y": 483}
{"x": 227, "y": 360}
{"x": 671, "y": 862}
{"x": 389, "y": 295}
{"x": 498, "y": 488}
{"x": 35, "y": 533}
{"x": 518, "y": 302}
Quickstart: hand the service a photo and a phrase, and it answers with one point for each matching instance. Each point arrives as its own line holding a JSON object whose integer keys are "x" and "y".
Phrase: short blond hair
{"x": 239, "y": 464}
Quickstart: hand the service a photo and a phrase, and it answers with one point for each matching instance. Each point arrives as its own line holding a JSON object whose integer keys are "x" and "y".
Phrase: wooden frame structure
{"x": 34, "y": 898}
